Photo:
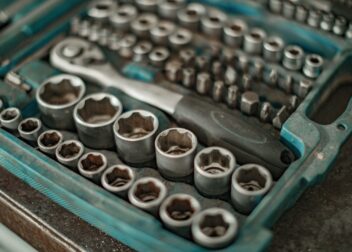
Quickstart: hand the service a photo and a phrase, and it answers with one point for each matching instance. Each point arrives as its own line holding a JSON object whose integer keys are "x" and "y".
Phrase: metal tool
{"x": 288, "y": 9}
{"x": 100, "y": 10}
{"x": 313, "y": 65}
{"x": 301, "y": 14}
{"x": 147, "y": 193}
{"x": 234, "y": 32}
{"x": 180, "y": 38}
{"x": 214, "y": 228}
{"x": 217, "y": 126}
{"x": 10, "y": 118}
{"x": 158, "y": 56}
{"x": 188, "y": 77}
{"x": 304, "y": 87}
{"x": 94, "y": 117}
{"x": 143, "y": 24}
{"x": 118, "y": 179}
{"x": 213, "y": 167}
{"x": 30, "y": 129}
{"x": 218, "y": 91}
{"x": 187, "y": 56}
{"x": 49, "y": 140}
{"x": 250, "y": 183}
{"x": 253, "y": 41}
{"x": 126, "y": 44}
{"x": 212, "y": 24}
{"x": 141, "y": 51}
{"x": 173, "y": 70}
{"x": 169, "y": 8}
{"x": 135, "y": 133}
{"x": 175, "y": 151}
{"x": 231, "y": 96}
{"x": 272, "y": 49}
{"x": 190, "y": 16}
{"x": 177, "y": 213}
{"x": 92, "y": 165}
{"x": 69, "y": 152}
{"x": 123, "y": 16}
{"x": 161, "y": 32}
{"x": 314, "y": 18}
{"x": 327, "y": 21}
{"x": 280, "y": 117}
{"x": 340, "y": 26}
{"x": 147, "y": 5}
{"x": 249, "y": 103}
{"x": 265, "y": 112}
{"x": 204, "y": 83}
{"x": 293, "y": 57}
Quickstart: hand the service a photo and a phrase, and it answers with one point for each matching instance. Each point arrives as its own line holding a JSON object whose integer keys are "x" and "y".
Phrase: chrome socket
{"x": 314, "y": 18}
{"x": 30, "y": 129}
{"x": 69, "y": 152}
{"x": 293, "y": 58}
{"x": 301, "y": 13}
{"x": 94, "y": 117}
{"x": 118, "y": 179}
{"x": 49, "y": 140}
{"x": 180, "y": 38}
{"x": 147, "y": 194}
{"x": 57, "y": 96}
{"x": 250, "y": 183}
{"x": 313, "y": 66}
{"x": 1, "y": 105}
{"x": 141, "y": 51}
{"x": 147, "y": 5}
{"x": 275, "y": 6}
{"x": 161, "y": 32}
{"x": 135, "y": 133}
{"x": 10, "y": 118}
{"x": 158, "y": 56}
{"x": 92, "y": 165}
{"x": 169, "y": 8}
{"x": 204, "y": 83}
{"x": 126, "y": 44}
{"x": 101, "y": 10}
{"x": 234, "y": 32}
{"x": 212, "y": 24}
{"x": 253, "y": 41}
{"x": 213, "y": 167}
{"x": 175, "y": 151}
{"x": 188, "y": 77}
{"x": 340, "y": 26}
{"x": 231, "y": 96}
{"x": 272, "y": 49}
{"x": 288, "y": 9}
{"x": 327, "y": 22}
{"x": 218, "y": 91}
{"x": 304, "y": 87}
{"x": 143, "y": 24}
{"x": 190, "y": 16}
{"x": 123, "y": 16}
{"x": 249, "y": 103}
{"x": 177, "y": 213}
{"x": 214, "y": 228}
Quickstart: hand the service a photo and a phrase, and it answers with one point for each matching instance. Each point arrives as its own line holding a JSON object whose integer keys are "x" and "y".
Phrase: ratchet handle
{"x": 248, "y": 142}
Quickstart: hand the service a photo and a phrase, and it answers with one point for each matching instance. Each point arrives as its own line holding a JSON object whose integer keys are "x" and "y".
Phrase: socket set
{"x": 172, "y": 124}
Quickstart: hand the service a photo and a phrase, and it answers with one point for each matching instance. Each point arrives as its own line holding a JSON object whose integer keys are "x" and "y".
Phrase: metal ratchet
{"x": 211, "y": 124}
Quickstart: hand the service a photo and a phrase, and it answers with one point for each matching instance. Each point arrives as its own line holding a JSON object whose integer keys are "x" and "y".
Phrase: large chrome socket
{"x": 250, "y": 183}
{"x": 212, "y": 24}
{"x": 293, "y": 58}
{"x": 147, "y": 193}
{"x": 135, "y": 133}
{"x": 190, "y": 16}
{"x": 118, "y": 179}
{"x": 92, "y": 165}
{"x": 234, "y": 32}
{"x": 94, "y": 117}
{"x": 175, "y": 151}
{"x": 101, "y": 10}
{"x": 69, "y": 152}
{"x": 313, "y": 66}
{"x": 30, "y": 129}
{"x": 213, "y": 167}
{"x": 10, "y": 118}
{"x": 143, "y": 24}
{"x": 49, "y": 140}
{"x": 169, "y": 8}
{"x": 253, "y": 41}
{"x": 177, "y": 212}
{"x": 214, "y": 228}
{"x": 57, "y": 97}
{"x": 123, "y": 16}
{"x": 160, "y": 33}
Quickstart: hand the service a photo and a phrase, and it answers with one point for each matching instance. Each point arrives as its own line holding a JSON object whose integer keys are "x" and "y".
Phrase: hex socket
{"x": 56, "y": 97}
{"x": 147, "y": 194}
{"x": 313, "y": 66}
{"x": 118, "y": 179}
{"x": 94, "y": 117}
{"x": 234, "y": 32}
{"x": 214, "y": 228}
{"x": 253, "y": 41}
{"x": 135, "y": 133}
{"x": 175, "y": 150}
{"x": 30, "y": 128}
{"x": 293, "y": 58}
{"x": 10, "y": 118}
{"x": 123, "y": 16}
{"x": 92, "y": 165}
{"x": 49, "y": 140}
{"x": 177, "y": 213}
{"x": 212, "y": 23}
{"x": 69, "y": 152}
{"x": 190, "y": 16}
{"x": 213, "y": 167}
{"x": 250, "y": 183}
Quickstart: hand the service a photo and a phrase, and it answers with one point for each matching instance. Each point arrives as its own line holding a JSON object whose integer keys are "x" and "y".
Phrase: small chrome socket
{"x": 123, "y": 16}
{"x": 253, "y": 41}
{"x": 118, "y": 179}
{"x": 169, "y": 8}
{"x": 69, "y": 152}
{"x": 143, "y": 24}
{"x": 94, "y": 117}
{"x": 92, "y": 165}
{"x": 214, "y": 228}
{"x": 275, "y": 6}
{"x": 180, "y": 38}
{"x": 175, "y": 151}
{"x": 190, "y": 16}
{"x": 234, "y": 32}
{"x": 250, "y": 183}
{"x": 141, "y": 51}
{"x": 313, "y": 66}
{"x": 10, "y": 118}
{"x": 272, "y": 49}
{"x": 30, "y": 129}
{"x": 293, "y": 58}
{"x": 147, "y": 194}
{"x": 158, "y": 56}
{"x": 212, "y": 24}
{"x": 177, "y": 213}
{"x": 213, "y": 167}
{"x": 161, "y": 32}
{"x": 49, "y": 140}
{"x": 100, "y": 10}
{"x": 135, "y": 133}
{"x": 147, "y": 5}
{"x": 56, "y": 97}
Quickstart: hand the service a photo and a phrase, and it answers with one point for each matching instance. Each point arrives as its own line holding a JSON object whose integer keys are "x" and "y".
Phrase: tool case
{"x": 316, "y": 142}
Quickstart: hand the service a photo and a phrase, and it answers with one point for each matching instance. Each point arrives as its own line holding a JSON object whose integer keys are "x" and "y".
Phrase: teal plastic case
{"x": 316, "y": 145}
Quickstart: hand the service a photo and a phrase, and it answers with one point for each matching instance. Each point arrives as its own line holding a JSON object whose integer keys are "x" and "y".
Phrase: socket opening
{"x": 9, "y": 114}
{"x": 50, "y": 139}
{"x": 61, "y": 93}
{"x": 214, "y": 225}
{"x": 147, "y": 191}
{"x": 256, "y": 35}
{"x": 315, "y": 60}
{"x": 29, "y": 125}
{"x": 180, "y": 209}
{"x": 175, "y": 143}
{"x": 251, "y": 179}
{"x": 191, "y": 12}
{"x": 214, "y": 162}
{"x": 92, "y": 162}
{"x": 136, "y": 126}
{"x": 295, "y": 51}
{"x": 118, "y": 177}
{"x": 70, "y": 150}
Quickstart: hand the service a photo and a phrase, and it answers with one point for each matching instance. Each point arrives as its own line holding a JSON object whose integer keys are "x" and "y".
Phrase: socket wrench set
{"x": 175, "y": 125}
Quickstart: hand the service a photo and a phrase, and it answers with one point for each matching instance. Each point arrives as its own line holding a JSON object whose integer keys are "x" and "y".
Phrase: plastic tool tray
{"x": 315, "y": 141}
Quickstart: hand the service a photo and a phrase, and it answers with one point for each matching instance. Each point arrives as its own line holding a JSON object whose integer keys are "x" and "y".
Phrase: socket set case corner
{"x": 175, "y": 125}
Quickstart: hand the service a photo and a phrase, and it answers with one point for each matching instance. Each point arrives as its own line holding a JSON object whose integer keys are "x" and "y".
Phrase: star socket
{"x": 118, "y": 179}
{"x": 49, "y": 140}
{"x": 69, "y": 152}
{"x": 92, "y": 165}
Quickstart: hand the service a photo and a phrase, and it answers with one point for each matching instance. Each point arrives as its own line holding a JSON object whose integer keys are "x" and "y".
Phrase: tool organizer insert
{"x": 175, "y": 125}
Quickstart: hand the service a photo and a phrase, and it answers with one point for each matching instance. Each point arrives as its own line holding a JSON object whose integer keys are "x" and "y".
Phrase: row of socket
{"x": 211, "y": 22}
{"x": 327, "y": 21}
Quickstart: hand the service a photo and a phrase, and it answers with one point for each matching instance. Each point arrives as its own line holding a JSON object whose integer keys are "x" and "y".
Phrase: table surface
{"x": 319, "y": 221}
